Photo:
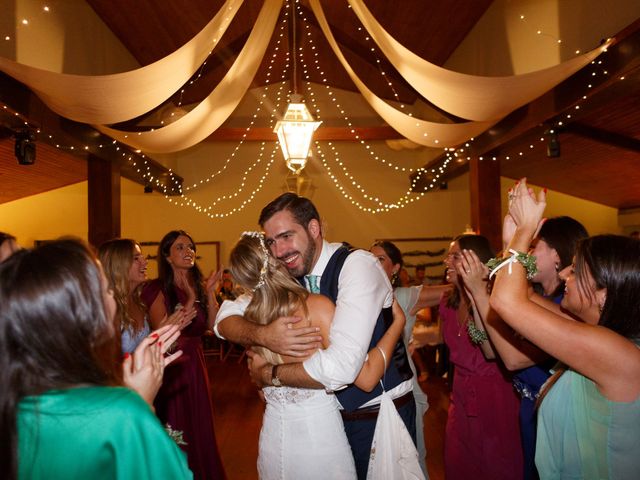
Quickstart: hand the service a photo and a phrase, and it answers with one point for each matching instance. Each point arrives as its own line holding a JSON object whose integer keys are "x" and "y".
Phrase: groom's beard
{"x": 307, "y": 259}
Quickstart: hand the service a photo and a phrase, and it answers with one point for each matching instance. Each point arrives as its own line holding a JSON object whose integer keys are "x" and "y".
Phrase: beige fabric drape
{"x": 468, "y": 96}
{"x": 119, "y": 97}
{"x": 203, "y": 120}
{"x": 430, "y": 134}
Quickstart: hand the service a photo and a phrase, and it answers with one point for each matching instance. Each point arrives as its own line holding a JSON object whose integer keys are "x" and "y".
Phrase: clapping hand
{"x": 182, "y": 282}
{"x": 181, "y": 317}
{"x": 212, "y": 283}
{"x": 143, "y": 371}
{"x": 473, "y": 272}
{"x": 526, "y": 208}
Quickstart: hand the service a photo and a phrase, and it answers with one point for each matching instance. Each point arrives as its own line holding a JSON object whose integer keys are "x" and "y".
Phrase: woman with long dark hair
{"x": 553, "y": 249}
{"x": 183, "y": 401}
{"x": 64, "y": 410}
{"x": 590, "y": 409}
{"x": 482, "y": 436}
{"x": 392, "y": 263}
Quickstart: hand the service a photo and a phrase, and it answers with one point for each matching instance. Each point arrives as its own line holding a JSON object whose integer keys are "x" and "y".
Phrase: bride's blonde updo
{"x": 274, "y": 292}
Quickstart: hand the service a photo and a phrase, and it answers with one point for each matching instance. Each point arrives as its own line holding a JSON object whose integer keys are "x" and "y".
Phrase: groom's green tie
{"x": 313, "y": 283}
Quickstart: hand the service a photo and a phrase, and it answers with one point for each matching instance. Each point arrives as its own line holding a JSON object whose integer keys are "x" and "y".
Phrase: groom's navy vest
{"x": 398, "y": 371}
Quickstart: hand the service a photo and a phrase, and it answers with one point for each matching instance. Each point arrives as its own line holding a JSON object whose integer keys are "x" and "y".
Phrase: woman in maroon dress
{"x": 183, "y": 401}
{"x": 482, "y": 437}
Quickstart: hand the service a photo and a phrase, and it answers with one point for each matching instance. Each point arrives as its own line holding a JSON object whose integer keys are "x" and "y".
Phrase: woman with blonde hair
{"x": 302, "y": 434}
{"x": 126, "y": 269}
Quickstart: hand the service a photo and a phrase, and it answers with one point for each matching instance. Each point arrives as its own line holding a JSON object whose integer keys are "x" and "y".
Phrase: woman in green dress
{"x": 589, "y": 413}
{"x": 64, "y": 409}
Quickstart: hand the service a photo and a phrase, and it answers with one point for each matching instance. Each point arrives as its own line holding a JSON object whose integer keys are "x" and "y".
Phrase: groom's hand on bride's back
{"x": 283, "y": 336}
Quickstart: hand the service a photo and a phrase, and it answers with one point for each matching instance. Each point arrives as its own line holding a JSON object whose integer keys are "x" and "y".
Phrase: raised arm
{"x": 515, "y": 352}
{"x": 610, "y": 360}
{"x": 474, "y": 280}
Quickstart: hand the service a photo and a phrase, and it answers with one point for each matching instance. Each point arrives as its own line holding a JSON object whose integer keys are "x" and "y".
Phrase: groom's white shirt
{"x": 364, "y": 291}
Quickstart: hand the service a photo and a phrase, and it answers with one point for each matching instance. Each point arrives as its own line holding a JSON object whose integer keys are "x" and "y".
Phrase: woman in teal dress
{"x": 590, "y": 408}
{"x": 66, "y": 413}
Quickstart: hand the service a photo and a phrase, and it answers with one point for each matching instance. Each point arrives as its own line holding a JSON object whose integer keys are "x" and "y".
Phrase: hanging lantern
{"x": 295, "y": 133}
{"x": 299, "y": 183}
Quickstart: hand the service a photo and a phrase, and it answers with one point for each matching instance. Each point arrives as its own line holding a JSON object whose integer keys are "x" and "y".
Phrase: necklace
{"x": 463, "y": 318}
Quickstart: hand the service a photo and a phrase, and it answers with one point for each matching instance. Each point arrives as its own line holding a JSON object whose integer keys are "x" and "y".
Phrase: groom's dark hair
{"x": 302, "y": 209}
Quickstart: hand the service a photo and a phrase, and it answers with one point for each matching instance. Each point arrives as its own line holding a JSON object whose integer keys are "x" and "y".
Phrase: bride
{"x": 302, "y": 433}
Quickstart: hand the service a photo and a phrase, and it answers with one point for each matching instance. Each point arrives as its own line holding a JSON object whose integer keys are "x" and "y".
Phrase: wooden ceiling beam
{"x": 84, "y": 139}
{"x": 603, "y": 136}
{"x": 622, "y": 59}
{"x": 266, "y": 134}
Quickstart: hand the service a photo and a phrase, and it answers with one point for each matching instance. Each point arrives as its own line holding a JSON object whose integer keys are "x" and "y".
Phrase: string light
{"x": 458, "y": 155}
{"x": 559, "y": 121}
{"x": 185, "y": 200}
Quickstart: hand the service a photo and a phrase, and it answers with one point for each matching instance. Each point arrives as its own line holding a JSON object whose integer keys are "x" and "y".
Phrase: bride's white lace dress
{"x": 303, "y": 437}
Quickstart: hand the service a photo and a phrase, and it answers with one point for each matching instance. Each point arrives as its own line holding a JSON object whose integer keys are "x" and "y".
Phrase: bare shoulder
{"x": 320, "y": 303}
{"x": 321, "y": 311}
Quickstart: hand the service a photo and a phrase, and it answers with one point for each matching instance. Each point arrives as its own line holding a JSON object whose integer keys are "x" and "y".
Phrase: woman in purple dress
{"x": 553, "y": 249}
{"x": 183, "y": 401}
{"x": 482, "y": 437}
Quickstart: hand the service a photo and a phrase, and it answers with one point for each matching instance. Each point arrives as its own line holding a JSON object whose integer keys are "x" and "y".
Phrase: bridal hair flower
{"x": 265, "y": 260}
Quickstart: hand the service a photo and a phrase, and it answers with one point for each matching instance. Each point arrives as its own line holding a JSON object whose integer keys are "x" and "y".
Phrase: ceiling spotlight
{"x": 553, "y": 143}
{"x": 25, "y": 147}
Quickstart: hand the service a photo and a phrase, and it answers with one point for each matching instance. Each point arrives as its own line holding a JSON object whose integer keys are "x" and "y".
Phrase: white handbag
{"x": 393, "y": 453}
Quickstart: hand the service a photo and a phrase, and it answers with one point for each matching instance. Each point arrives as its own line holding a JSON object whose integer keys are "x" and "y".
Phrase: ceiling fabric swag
{"x": 478, "y": 98}
{"x": 106, "y": 99}
{"x": 430, "y": 134}
{"x": 212, "y": 112}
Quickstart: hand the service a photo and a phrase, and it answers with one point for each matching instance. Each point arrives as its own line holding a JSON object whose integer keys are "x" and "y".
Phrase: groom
{"x": 356, "y": 283}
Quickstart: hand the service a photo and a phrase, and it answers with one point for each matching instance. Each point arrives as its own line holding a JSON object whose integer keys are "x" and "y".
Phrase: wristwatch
{"x": 275, "y": 381}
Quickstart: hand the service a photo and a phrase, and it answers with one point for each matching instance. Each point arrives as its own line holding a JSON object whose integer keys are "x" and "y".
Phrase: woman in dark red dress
{"x": 183, "y": 401}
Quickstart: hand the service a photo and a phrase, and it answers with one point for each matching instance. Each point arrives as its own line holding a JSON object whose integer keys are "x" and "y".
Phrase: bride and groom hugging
{"x": 318, "y": 380}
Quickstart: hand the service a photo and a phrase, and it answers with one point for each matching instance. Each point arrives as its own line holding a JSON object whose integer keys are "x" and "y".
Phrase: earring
{"x": 557, "y": 267}
{"x": 394, "y": 277}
